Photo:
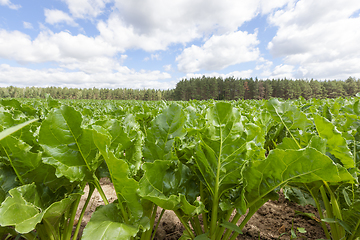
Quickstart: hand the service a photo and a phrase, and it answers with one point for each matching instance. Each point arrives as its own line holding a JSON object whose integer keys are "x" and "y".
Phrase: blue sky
{"x": 156, "y": 43}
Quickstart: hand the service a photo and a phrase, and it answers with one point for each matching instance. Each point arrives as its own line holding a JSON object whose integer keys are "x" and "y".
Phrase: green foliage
{"x": 199, "y": 159}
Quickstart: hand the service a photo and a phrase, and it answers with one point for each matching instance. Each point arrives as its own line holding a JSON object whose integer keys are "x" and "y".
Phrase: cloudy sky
{"x": 156, "y": 43}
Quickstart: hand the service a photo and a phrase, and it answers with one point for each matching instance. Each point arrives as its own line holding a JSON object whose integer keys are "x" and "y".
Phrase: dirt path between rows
{"x": 274, "y": 220}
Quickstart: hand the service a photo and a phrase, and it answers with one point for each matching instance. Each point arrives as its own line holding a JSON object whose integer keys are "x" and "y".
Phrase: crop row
{"x": 211, "y": 160}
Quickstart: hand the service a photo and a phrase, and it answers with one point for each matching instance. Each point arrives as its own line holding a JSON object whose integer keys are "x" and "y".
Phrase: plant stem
{"x": 91, "y": 191}
{"x": 356, "y": 231}
{"x": 329, "y": 214}
{"x": 336, "y": 211}
{"x": 203, "y": 199}
{"x": 234, "y": 221}
{"x": 158, "y": 223}
{"x": 354, "y": 152}
{"x": 323, "y": 225}
{"x": 251, "y": 212}
{"x": 221, "y": 230}
{"x": 30, "y": 236}
{"x": 234, "y": 236}
{"x": 51, "y": 233}
{"x": 100, "y": 190}
{"x": 196, "y": 225}
{"x": 70, "y": 223}
{"x": 147, "y": 235}
{"x": 186, "y": 226}
{"x": 213, "y": 223}
{"x": 152, "y": 221}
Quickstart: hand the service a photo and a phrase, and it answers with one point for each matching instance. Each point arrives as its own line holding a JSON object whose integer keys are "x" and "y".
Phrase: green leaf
{"x": 232, "y": 227}
{"x": 341, "y": 223}
{"x": 224, "y": 147}
{"x": 164, "y": 129}
{"x": 288, "y": 143}
{"x": 54, "y": 213}
{"x": 335, "y": 144}
{"x": 126, "y": 140}
{"x": 351, "y": 214}
{"x": 220, "y": 152}
{"x": 298, "y": 195}
{"x": 202, "y": 237}
{"x": 288, "y": 114}
{"x": 11, "y": 130}
{"x": 318, "y": 143}
{"x": 309, "y": 215}
{"x": 52, "y": 103}
{"x": 168, "y": 184}
{"x": 5, "y": 231}
{"x": 19, "y": 155}
{"x": 301, "y": 230}
{"x": 126, "y": 188}
{"x": 284, "y": 166}
{"x": 45, "y": 174}
{"x": 7, "y": 180}
{"x": 107, "y": 223}
{"x": 70, "y": 148}
{"x": 17, "y": 105}
{"x": 24, "y": 208}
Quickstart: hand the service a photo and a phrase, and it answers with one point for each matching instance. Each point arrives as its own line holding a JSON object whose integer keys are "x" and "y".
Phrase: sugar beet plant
{"x": 208, "y": 162}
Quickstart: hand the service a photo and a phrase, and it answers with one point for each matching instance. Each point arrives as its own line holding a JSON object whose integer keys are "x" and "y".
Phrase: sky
{"x": 143, "y": 44}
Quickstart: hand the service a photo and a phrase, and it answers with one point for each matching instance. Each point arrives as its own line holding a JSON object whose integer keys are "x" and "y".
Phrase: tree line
{"x": 86, "y": 93}
{"x": 234, "y": 89}
{"x": 202, "y": 88}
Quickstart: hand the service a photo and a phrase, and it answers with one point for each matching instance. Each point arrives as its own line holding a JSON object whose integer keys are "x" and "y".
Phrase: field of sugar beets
{"x": 208, "y": 162}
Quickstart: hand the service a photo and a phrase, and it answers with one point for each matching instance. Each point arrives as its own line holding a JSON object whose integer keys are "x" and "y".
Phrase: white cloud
{"x": 156, "y": 24}
{"x": 322, "y": 43}
{"x": 124, "y": 78}
{"x": 86, "y": 8}
{"x": 28, "y": 25}
{"x": 268, "y": 6}
{"x": 91, "y": 61}
{"x": 57, "y": 16}
{"x": 220, "y": 52}
{"x": 91, "y": 65}
{"x": 9, "y": 4}
{"x": 326, "y": 11}
{"x": 167, "y": 68}
{"x": 155, "y": 56}
{"x": 264, "y": 65}
{"x": 52, "y": 47}
{"x": 225, "y": 16}
{"x": 124, "y": 37}
{"x": 335, "y": 69}
{"x": 282, "y": 71}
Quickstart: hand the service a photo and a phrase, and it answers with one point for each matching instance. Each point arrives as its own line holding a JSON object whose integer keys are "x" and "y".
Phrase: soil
{"x": 274, "y": 220}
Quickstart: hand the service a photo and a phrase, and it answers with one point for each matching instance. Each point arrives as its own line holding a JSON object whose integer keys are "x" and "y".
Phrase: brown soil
{"x": 274, "y": 220}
